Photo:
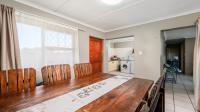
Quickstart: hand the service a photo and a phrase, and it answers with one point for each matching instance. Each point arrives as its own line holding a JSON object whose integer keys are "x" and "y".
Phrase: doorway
{"x": 179, "y": 48}
{"x": 175, "y": 50}
{"x": 96, "y": 54}
{"x": 120, "y": 55}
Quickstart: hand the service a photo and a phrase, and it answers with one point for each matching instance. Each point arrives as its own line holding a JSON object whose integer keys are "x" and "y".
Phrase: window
{"x": 45, "y": 44}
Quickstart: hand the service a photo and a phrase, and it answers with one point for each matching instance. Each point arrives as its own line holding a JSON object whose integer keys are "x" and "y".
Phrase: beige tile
{"x": 178, "y": 86}
{"x": 186, "y": 105}
{"x": 169, "y": 106}
{"x": 192, "y": 98}
{"x": 181, "y": 109}
{"x": 168, "y": 92}
{"x": 169, "y": 110}
{"x": 181, "y": 89}
{"x": 181, "y": 97}
{"x": 169, "y": 97}
{"x": 169, "y": 101}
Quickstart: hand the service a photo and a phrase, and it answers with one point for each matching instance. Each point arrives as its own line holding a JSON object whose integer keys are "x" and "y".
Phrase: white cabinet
{"x": 113, "y": 66}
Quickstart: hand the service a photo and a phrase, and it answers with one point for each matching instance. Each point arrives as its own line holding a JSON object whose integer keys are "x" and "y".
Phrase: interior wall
{"x": 189, "y": 51}
{"x": 163, "y": 51}
{"x": 83, "y": 34}
{"x": 148, "y": 43}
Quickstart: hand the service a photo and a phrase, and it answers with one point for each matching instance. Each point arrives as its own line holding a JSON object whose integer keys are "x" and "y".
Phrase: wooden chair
{"x": 152, "y": 95}
{"x": 156, "y": 100}
{"x": 143, "y": 107}
{"x": 54, "y": 73}
{"x": 82, "y": 70}
{"x": 17, "y": 81}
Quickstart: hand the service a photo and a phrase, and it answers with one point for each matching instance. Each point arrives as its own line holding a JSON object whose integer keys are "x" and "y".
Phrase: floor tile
{"x": 183, "y": 109}
{"x": 169, "y": 106}
{"x": 179, "y": 97}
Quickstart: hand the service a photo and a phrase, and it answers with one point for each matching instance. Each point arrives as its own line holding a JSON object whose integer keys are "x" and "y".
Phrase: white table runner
{"x": 76, "y": 99}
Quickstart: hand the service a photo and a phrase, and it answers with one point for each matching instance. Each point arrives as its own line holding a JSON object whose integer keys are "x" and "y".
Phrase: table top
{"x": 124, "y": 98}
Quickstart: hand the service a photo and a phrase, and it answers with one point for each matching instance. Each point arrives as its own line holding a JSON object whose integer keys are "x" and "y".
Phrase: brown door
{"x": 96, "y": 47}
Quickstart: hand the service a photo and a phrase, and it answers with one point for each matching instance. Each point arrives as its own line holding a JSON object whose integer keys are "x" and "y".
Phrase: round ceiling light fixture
{"x": 111, "y": 2}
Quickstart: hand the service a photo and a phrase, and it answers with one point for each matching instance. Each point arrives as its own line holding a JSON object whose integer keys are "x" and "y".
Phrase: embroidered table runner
{"x": 76, "y": 99}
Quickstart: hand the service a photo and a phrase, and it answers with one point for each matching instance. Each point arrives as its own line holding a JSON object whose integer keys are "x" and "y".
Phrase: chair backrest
{"x": 143, "y": 107}
{"x": 163, "y": 72}
{"x": 155, "y": 94}
{"x": 17, "y": 81}
{"x": 82, "y": 70}
{"x": 54, "y": 73}
{"x": 152, "y": 95}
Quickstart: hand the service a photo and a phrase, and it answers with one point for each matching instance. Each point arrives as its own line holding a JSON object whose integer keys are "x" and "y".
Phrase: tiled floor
{"x": 180, "y": 96}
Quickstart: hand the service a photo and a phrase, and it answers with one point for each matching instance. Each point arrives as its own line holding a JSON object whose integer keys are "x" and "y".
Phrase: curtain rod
{"x": 49, "y": 21}
{"x": 121, "y": 37}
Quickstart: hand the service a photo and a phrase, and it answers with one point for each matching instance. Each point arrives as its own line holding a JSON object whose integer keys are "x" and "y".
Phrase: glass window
{"x": 57, "y": 39}
{"x": 40, "y": 47}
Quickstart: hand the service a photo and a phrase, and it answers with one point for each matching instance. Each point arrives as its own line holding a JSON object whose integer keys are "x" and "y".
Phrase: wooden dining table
{"x": 124, "y": 98}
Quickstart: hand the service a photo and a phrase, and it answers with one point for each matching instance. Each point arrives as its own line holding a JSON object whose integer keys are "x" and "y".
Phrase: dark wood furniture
{"x": 54, "y": 73}
{"x": 82, "y": 70}
{"x": 124, "y": 98}
{"x": 17, "y": 81}
{"x": 156, "y": 101}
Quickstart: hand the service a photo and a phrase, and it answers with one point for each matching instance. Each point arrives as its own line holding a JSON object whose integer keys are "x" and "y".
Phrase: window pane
{"x": 57, "y": 39}
{"x": 40, "y": 47}
{"x": 30, "y": 45}
{"x": 53, "y": 57}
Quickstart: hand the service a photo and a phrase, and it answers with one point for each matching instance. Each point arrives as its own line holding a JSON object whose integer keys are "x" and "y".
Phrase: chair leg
{"x": 174, "y": 77}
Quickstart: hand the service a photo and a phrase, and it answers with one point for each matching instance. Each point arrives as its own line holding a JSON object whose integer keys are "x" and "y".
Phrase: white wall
{"x": 148, "y": 41}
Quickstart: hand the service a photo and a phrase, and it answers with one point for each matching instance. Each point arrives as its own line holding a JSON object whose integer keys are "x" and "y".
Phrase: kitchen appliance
{"x": 125, "y": 66}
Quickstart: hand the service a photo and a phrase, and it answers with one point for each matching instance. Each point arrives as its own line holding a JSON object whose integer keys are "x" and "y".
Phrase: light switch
{"x": 140, "y": 53}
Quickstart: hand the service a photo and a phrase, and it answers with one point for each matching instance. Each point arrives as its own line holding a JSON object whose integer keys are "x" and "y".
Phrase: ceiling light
{"x": 111, "y": 2}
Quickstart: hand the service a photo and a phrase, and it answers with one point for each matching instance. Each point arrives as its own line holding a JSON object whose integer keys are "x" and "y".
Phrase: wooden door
{"x": 96, "y": 47}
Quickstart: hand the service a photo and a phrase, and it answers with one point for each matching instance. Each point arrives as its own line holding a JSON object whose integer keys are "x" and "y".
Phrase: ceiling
{"x": 97, "y": 15}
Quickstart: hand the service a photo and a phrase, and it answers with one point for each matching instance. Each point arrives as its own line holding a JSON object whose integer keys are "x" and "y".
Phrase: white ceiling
{"x": 95, "y": 14}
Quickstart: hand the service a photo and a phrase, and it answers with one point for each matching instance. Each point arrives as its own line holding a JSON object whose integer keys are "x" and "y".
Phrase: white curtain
{"x": 43, "y": 42}
{"x": 196, "y": 67}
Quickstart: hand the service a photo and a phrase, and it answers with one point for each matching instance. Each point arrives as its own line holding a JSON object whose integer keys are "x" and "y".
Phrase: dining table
{"x": 124, "y": 98}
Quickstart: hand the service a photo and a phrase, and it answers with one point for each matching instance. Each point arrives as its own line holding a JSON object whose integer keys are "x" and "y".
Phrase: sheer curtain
{"x": 196, "y": 65}
{"x": 43, "y": 42}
